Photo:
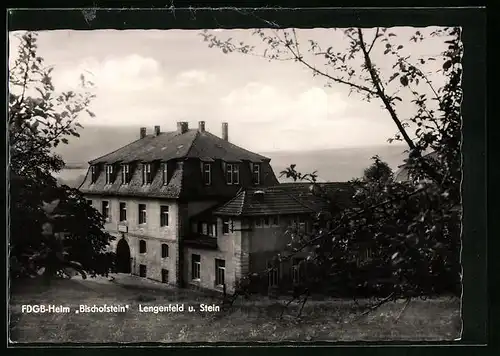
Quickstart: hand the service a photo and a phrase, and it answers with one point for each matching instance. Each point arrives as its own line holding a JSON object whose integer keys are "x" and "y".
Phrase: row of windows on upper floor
{"x": 204, "y": 228}
{"x": 231, "y": 170}
{"x": 210, "y": 228}
{"x": 142, "y": 214}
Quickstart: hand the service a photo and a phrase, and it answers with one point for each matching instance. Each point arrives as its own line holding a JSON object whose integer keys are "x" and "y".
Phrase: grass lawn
{"x": 254, "y": 320}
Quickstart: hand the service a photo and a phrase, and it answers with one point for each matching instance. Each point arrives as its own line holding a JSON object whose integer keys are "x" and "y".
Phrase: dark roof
{"x": 286, "y": 198}
{"x": 175, "y": 145}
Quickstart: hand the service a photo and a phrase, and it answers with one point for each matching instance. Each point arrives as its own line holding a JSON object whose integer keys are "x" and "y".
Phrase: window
{"x": 164, "y": 173}
{"x": 256, "y": 173}
{"x": 125, "y": 174}
{"x": 266, "y": 221}
{"x": 275, "y": 220}
{"x": 212, "y": 229}
{"x": 207, "y": 174}
{"x": 164, "y": 250}
{"x": 194, "y": 227}
{"x": 164, "y": 215}
{"x": 204, "y": 228}
{"x": 93, "y": 174}
{"x": 297, "y": 267}
{"x": 195, "y": 267}
{"x": 142, "y": 271}
{"x": 164, "y": 276}
{"x": 225, "y": 226}
{"x": 146, "y": 173}
{"x": 274, "y": 274}
{"x": 105, "y": 210}
{"x": 220, "y": 271}
{"x": 258, "y": 222}
{"x": 89, "y": 202}
{"x": 303, "y": 225}
{"x": 109, "y": 174}
{"x": 142, "y": 213}
{"x": 123, "y": 212}
{"x": 142, "y": 246}
{"x": 232, "y": 174}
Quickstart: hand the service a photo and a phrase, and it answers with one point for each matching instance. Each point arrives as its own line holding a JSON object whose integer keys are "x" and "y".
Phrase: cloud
{"x": 258, "y": 102}
{"x": 193, "y": 77}
{"x": 277, "y": 118}
{"x": 127, "y": 74}
{"x": 317, "y": 100}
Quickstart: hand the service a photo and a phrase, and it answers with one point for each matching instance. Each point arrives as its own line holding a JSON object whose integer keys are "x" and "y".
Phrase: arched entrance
{"x": 123, "y": 257}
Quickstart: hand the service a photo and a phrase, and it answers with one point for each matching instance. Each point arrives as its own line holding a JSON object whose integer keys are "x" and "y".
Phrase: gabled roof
{"x": 286, "y": 198}
{"x": 176, "y": 145}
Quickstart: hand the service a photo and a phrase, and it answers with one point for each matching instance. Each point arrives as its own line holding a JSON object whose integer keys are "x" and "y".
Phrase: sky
{"x": 160, "y": 77}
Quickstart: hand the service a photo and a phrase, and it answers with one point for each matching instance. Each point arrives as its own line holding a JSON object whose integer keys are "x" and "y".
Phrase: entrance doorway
{"x": 123, "y": 257}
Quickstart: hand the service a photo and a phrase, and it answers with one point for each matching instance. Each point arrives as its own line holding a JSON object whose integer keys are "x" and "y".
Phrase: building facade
{"x": 192, "y": 209}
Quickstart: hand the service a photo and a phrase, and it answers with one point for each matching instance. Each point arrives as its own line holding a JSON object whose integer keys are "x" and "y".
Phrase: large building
{"x": 190, "y": 208}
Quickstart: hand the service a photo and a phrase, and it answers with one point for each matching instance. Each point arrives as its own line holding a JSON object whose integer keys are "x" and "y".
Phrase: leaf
{"x": 90, "y": 113}
{"x": 400, "y": 46}
{"x": 391, "y": 35}
{"x": 394, "y": 76}
{"x": 447, "y": 65}
{"x": 404, "y": 80}
{"x": 387, "y": 51}
{"x": 64, "y": 140}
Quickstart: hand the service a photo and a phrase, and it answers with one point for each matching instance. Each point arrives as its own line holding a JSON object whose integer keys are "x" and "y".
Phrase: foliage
{"x": 378, "y": 171}
{"x": 43, "y": 241}
{"x": 397, "y": 240}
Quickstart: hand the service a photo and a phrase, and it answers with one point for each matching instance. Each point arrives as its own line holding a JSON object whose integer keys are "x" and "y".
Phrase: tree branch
{"x": 374, "y": 39}
{"x": 379, "y": 91}
{"x": 326, "y": 75}
{"x": 424, "y": 77}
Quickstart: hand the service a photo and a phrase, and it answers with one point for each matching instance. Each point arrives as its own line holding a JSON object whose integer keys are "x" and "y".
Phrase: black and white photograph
{"x": 235, "y": 185}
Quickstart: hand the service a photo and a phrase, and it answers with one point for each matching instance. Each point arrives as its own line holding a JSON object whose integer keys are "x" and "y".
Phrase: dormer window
{"x": 109, "y": 174}
{"x": 164, "y": 172}
{"x": 125, "y": 174}
{"x": 256, "y": 173}
{"x": 232, "y": 173}
{"x": 147, "y": 177}
{"x": 93, "y": 174}
{"x": 207, "y": 173}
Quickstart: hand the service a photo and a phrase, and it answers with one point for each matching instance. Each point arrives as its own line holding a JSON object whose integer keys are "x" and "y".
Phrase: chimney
{"x": 142, "y": 132}
{"x": 157, "y": 130}
{"x": 201, "y": 126}
{"x": 224, "y": 132}
{"x": 182, "y": 127}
